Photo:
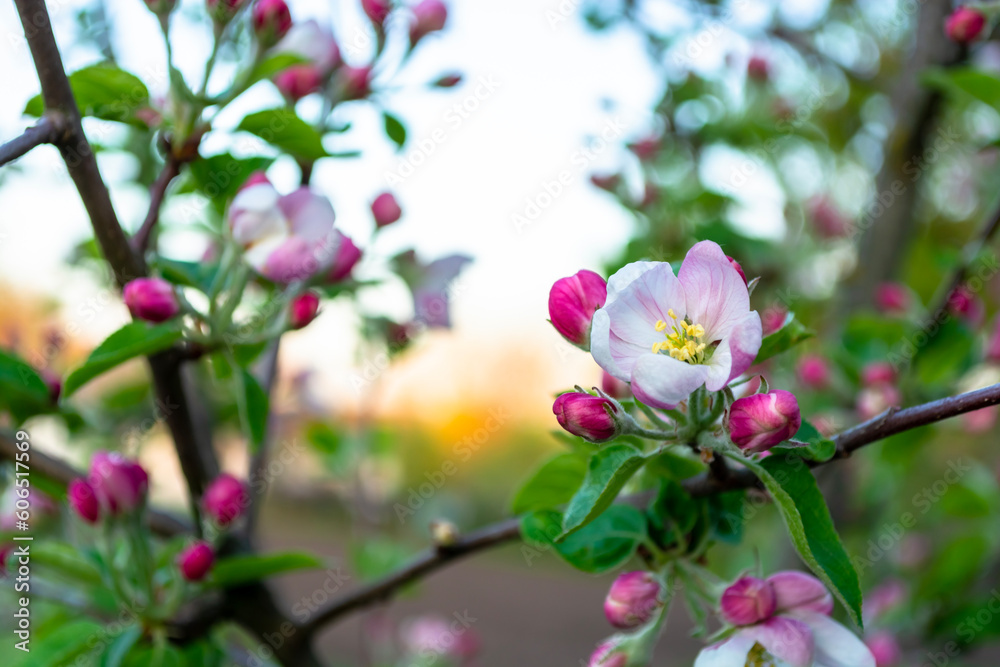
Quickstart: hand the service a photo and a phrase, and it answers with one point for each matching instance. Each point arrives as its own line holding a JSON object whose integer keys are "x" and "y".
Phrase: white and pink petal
{"x": 797, "y": 591}
{"x": 663, "y": 382}
{"x": 717, "y": 297}
{"x": 836, "y": 646}
{"x": 786, "y": 639}
{"x": 730, "y": 653}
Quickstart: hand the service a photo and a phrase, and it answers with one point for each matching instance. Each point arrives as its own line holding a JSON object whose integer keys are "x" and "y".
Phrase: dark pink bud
{"x": 377, "y": 11}
{"x": 993, "y": 346}
{"x": 225, "y": 499}
{"x": 633, "y": 600}
{"x": 271, "y": 21}
{"x": 448, "y": 81}
{"x": 120, "y": 484}
{"x": 878, "y": 373}
{"x": 827, "y": 220}
{"x": 151, "y": 299}
{"x": 966, "y": 306}
{"x": 758, "y": 68}
{"x": 83, "y": 499}
{"x": 750, "y": 600}
{"x": 607, "y": 655}
{"x": 303, "y": 310}
{"x": 591, "y": 417}
{"x": 355, "y": 82}
{"x": 813, "y": 371}
{"x": 385, "y": 210}
{"x": 885, "y": 649}
{"x": 607, "y": 182}
{"x": 646, "y": 149}
{"x": 256, "y": 178}
{"x": 344, "y": 260}
{"x": 196, "y": 561}
{"x": 758, "y": 422}
{"x": 53, "y": 382}
{"x": 223, "y": 11}
{"x": 773, "y": 319}
{"x": 739, "y": 269}
{"x": 614, "y": 387}
{"x": 572, "y": 304}
{"x": 5, "y": 551}
{"x": 298, "y": 81}
{"x": 963, "y": 26}
{"x": 428, "y": 16}
{"x": 892, "y": 298}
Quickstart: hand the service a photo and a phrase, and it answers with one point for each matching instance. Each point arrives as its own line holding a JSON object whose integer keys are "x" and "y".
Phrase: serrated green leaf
{"x": 791, "y": 333}
{"x": 607, "y": 472}
{"x": 606, "y": 543}
{"x": 242, "y": 569}
{"x": 394, "y": 129}
{"x": 286, "y": 131}
{"x": 551, "y": 485}
{"x": 103, "y": 91}
{"x": 815, "y": 447}
{"x": 132, "y": 340}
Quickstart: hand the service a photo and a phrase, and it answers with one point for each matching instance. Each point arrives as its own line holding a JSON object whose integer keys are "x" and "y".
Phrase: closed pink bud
{"x": 377, "y": 11}
{"x": 632, "y": 600}
{"x": 748, "y": 601}
{"x": 344, "y": 260}
{"x": 303, "y": 310}
{"x": 739, "y": 269}
{"x": 5, "y": 552}
{"x": 53, "y": 382}
{"x": 609, "y": 182}
{"x": 83, "y": 500}
{"x": 223, "y": 11}
{"x": 196, "y": 561}
{"x": 572, "y": 303}
{"x": 151, "y": 299}
{"x": 428, "y": 16}
{"x": 966, "y": 306}
{"x": 885, "y": 649}
{"x": 593, "y": 418}
{"x": 892, "y": 298}
{"x": 607, "y": 655}
{"x": 758, "y": 68}
{"x": 993, "y": 346}
{"x": 385, "y": 210}
{"x": 980, "y": 421}
{"x": 355, "y": 82}
{"x": 964, "y": 25}
{"x": 773, "y": 319}
{"x": 873, "y": 401}
{"x": 878, "y": 373}
{"x": 298, "y": 81}
{"x": 646, "y": 149}
{"x": 271, "y": 21}
{"x": 813, "y": 371}
{"x": 826, "y": 218}
{"x": 120, "y": 484}
{"x": 225, "y": 499}
{"x": 758, "y": 422}
{"x": 614, "y": 387}
{"x": 448, "y": 81}
{"x": 258, "y": 177}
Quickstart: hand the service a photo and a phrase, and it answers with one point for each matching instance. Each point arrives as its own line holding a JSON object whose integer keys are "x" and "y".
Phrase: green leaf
{"x": 22, "y": 390}
{"x": 970, "y": 81}
{"x": 604, "y": 544}
{"x": 68, "y": 561}
{"x": 219, "y": 177}
{"x": 258, "y": 406}
{"x": 607, "y": 472}
{"x": 131, "y": 341}
{"x": 374, "y": 558}
{"x": 274, "y": 64}
{"x": 103, "y": 91}
{"x": 672, "y": 465}
{"x": 286, "y": 131}
{"x": 61, "y": 647}
{"x": 725, "y": 516}
{"x": 810, "y": 527}
{"x": 115, "y": 654}
{"x": 817, "y": 447}
{"x": 242, "y": 569}
{"x": 791, "y": 333}
{"x": 394, "y": 129}
{"x": 551, "y": 485}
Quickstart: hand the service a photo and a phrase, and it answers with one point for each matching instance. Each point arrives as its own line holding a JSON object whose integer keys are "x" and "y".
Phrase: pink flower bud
{"x": 83, "y": 499}
{"x": 633, "y": 600}
{"x": 53, "y": 382}
{"x": 385, "y": 210}
{"x": 963, "y": 26}
{"x": 431, "y": 636}
{"x": 826, "y": 218}
{"x": 572, "y": 303}
{"x": 448, "y": 81}
{"x": 773, "y": 319}
{"x": 161, "y": 7}
{"x": 593, "y": 418}
{"x": 303, "y": 310}
{"x": 813, "y": 371}
{"x": 892, "y": 298}
{"x": 5, "y": 551}
{"x": 377, "y": 11}
{"x": 966, "y": 306}
{"x": 355, "y": 82}
{"x": 646, "y": 149}
{"x": 758, "y": 68}
{"x": 873, "y": 401}
{"x": 739, "y": 269}
{"x": 344, "y": 260}
{"x": 882, "y": 599}
{"x": 151, "y": 299}
{"x": 993, "y": 346}
{"x": 258, "y": 177}
{"x": 877, "y": 373}
{"x": 980, "y": 421}
{"x": 607, "y": 655}
{"x": 196, "y": 561}
{"x": 428, "y": 16}
{"x": 225, "y": 499}
{"x": 758, "y": 422}
{"x": 748, "y": 601}
{"x": 885, "y": 649}
{"x": 271, "y": 21}
{"x": 614, "y": 387}
{"x": 607, "y": 182}
{"x": 223, "y": 11}
{"x": 298, "y": 81}
{"x": 120, "y": 484}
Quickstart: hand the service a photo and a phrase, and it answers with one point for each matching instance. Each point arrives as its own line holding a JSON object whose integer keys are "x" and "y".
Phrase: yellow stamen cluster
{"x": 758, "y": 657}
{"x": 684, "y": 342}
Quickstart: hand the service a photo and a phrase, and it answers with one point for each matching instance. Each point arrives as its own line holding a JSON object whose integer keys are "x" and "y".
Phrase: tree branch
{"x": 50, "y": 129}
{"x": 889, "y": 423}
{"x": 156, "y": 194}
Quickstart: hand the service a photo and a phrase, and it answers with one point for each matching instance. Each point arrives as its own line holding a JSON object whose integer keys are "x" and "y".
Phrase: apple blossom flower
{"x": 225, "y": 499}
{"x": 885, "y": 649}
{"x": 83, "y": 499}
{"x": 428, "y": 16}
{"x": 607, "y": 655}
{"x": 773, "y": 319}
{"x": 285, "y": 237}
{"x": 964, "y": 25}
{"x": 813, "y": 371}
{"x": 385, "y": 210}
{"x": 593, "y": 418}
{"x": 119, "y": 483}
{"x": 196, "y": 561}
{"x": 344, "y": 260}
{"x": 668, "y": 335}
{"x": 431, "y": 286}
{"x": 797, "y": 630}
{"x": 271, "y": 21}
{"x": 739, "y": 269}
{"x": 873, "y": 401}
{"x": 827, "y": 219}
{"x": 151, "y": 299}
{"x": 431, "y": 636}
{"x": 876, "y": 373}
{"x": 377, "y": 11}
{"x": 572, "y": 304}
{"x": 892, "y": 298}
{"x": 750, "y": 600}
{"x": 646, "y": 148}
{"x": 314, "y": 43}
{"x": 354, "y": 83}
{"x": 758, "y": 422}
{"x": 303, "y": 310}
{"x": 633, "y": 599}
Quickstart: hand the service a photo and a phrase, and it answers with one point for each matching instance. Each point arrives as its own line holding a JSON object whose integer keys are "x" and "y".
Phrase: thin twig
{"x": 48, "y": 130}
{"x": 156, "y": 194}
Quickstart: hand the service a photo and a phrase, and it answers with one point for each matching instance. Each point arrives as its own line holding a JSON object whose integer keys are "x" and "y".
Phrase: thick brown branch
{"x": 49, "y": 130}
{"x": 706, "y": 484}
{"x": 156, "y": 194}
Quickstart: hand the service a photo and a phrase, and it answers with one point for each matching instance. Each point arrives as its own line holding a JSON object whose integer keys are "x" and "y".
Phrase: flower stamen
{"x": 684, "y": 340}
